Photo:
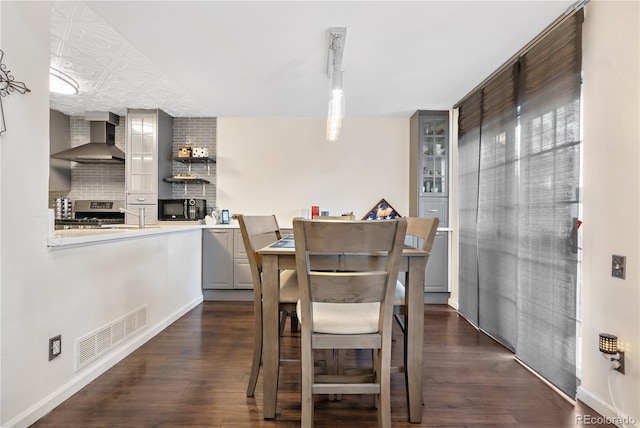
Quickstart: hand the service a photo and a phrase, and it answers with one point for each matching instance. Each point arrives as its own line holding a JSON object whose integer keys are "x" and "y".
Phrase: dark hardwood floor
{"x": 194, "y": 374}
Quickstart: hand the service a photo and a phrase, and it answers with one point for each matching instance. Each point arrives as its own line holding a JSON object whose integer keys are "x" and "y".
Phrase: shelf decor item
{"x": 200, "y": 152}
{"x": 8, "y": 84}
{"x": 381, "y": 211}
{"x": 184, "y": 152}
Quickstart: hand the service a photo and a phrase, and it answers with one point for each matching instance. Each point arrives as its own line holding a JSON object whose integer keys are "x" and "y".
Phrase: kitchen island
{"x": 105, "y": 292}
{"x": 74, "y": 237}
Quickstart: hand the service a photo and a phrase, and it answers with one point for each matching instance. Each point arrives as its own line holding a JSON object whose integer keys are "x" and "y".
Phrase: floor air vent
{"x": 95, "y": 344}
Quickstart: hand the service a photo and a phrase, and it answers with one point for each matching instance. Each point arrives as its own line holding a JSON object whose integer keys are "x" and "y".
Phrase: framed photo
{"x": 381, "y": 211}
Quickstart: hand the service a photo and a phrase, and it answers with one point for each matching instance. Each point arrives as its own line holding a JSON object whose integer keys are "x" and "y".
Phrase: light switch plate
{"x": 618, "y": 267}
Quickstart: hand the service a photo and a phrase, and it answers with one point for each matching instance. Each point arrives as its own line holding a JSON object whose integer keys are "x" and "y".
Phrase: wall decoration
{"x": 8, "y": 85}
{"x": 381, "y": 211}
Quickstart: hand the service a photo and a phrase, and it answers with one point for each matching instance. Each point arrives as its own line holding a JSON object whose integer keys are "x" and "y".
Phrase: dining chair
{"x": 258, "y": 231}
{"x": 423, "y": 229}
{"x": 350, "y": 308}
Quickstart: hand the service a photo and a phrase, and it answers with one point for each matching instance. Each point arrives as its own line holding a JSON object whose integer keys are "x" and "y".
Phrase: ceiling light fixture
{"x": 337, "y": 38}
{"x": 62, "y": 83}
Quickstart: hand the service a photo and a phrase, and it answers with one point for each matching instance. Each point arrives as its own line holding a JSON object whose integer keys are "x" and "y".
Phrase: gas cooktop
{"x": 93, "y": 214}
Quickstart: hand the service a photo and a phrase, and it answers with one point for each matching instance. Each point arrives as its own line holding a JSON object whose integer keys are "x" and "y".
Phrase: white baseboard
{"x": 453, "y": 303}
{"x": 605, "y": 410}
{"x": 86, "y": 376}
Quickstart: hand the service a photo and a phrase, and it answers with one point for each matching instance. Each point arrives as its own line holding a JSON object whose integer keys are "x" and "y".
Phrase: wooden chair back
{"x": 257, "y": 231}
{"x": 329, "y": 238}
{"x": 424, "y": 229}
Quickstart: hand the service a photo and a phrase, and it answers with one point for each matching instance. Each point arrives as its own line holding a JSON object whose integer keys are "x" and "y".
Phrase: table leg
{"x": 415, "y": 336}
{"x": 270, "y": 331}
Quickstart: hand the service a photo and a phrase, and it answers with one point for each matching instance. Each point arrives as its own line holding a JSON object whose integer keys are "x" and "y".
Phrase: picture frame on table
{"x": 382, "y": 210}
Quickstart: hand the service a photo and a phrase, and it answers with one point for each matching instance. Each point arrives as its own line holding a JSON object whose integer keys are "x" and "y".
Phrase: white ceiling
{"x": 268, "y": 58}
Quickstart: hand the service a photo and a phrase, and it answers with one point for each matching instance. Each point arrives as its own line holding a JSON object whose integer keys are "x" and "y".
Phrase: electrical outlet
{"x": 55, "y": 347}
{"x": 620, "y": 367}
{"x": 618, "y": 266}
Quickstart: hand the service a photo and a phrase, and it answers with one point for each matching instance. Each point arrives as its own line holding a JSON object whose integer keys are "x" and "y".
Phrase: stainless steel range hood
{"x": 101, "y": 148}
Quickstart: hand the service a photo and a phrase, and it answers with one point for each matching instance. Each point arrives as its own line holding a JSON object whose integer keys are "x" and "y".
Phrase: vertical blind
{"x": 497, "y": 226}
{"x": 519, "y": 154}
{"x": 469, "y": 114}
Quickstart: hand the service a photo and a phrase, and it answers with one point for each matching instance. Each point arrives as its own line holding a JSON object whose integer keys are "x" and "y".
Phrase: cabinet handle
{"x": 218, "y": 230}
{"x": 141, "y": 199}
{"x": 432, "y": 211}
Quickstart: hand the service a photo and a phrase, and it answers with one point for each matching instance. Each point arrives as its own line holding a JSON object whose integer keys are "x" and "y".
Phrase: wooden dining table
{"x": 281, "y": 255}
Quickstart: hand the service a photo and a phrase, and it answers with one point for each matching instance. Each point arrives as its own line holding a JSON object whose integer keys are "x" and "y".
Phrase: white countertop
{"x": 67, "y": 238}
{"x": 62, "y": 238}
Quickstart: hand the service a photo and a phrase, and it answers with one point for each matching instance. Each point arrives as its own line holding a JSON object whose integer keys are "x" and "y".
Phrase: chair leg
{"x": 330, "y": 366}
{"x": 257, "y": 357}
{"x": 283, "y": 322}
{"x": 340, "y": 357}
{"x": 307, "y": 382}
{"x": 383, "y": 378}
{"x": 400, "y": 321}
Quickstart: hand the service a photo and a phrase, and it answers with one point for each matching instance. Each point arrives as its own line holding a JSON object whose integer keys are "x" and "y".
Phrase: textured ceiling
{"x": 268, "y": 59}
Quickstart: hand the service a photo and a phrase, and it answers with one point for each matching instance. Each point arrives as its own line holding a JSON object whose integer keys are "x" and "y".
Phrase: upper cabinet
{"x": 148, "y": 160}
{"x": 429, "y": 165}
{"x": 59, "y": 140}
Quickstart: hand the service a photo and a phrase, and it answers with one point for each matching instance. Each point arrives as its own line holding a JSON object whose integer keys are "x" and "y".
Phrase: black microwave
{"x": 182, "y": 209}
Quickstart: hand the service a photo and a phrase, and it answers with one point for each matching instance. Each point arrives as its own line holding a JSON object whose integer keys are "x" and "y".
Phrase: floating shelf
{"x": 186, "y": 181}
{"x": 194, "y": 160}
{"x": 191, "y": 160}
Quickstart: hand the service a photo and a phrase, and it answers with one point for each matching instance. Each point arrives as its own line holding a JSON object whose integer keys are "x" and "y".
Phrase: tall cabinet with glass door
{"x": 147, "y": 160}
{"x": 430, "y": 145}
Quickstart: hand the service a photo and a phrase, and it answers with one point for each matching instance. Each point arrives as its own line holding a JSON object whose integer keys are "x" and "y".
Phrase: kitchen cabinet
{"x": 224, "y": 264}
{"x": 429, "y": 185}
{"x": 241, "y": 270}
{"x": 147, "y": 161}
{"x": 437, "y": 274}
{"x": 429, "y": 165}
{"x": 59, "y": 140}
{"x": 226, "y": 274}
{"x": 217, "y": 259}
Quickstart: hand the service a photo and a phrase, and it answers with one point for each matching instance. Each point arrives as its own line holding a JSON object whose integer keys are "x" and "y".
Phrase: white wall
{"x": 39, "y": 298}
{"x": 611, "y": 41}
{"x": 24, "y": 30}
{"x": 69, "y": 292}
{"x": 284, "y": 165}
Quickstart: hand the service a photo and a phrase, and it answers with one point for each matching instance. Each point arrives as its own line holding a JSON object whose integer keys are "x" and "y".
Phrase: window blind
{"x": 497, "y": 228}
{"x": 549, "y": 175}
{"x": 469, "y": 116}
{"x": 520, "y": 167}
